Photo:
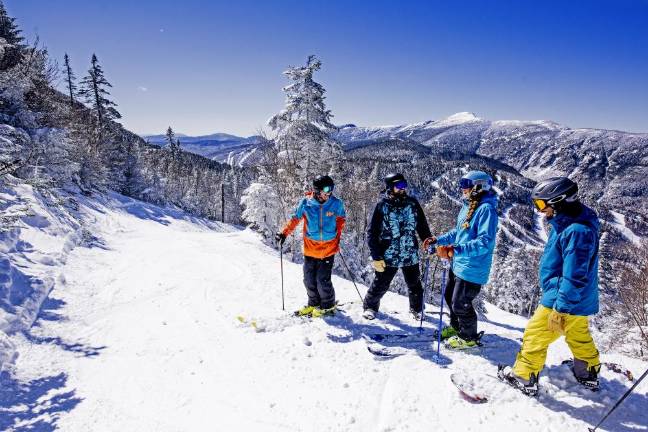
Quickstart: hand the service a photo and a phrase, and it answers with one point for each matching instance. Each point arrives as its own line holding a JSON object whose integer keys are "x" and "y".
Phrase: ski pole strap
{"x": 626, "y": 394}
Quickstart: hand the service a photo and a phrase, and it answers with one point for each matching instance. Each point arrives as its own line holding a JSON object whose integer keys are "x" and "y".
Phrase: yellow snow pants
{"x": 537, "y": 337}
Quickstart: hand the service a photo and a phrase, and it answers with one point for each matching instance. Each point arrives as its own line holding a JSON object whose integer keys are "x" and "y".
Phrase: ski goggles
{"x": 400, "y": 184}
{"x": 326, "y": 189}
{"x": 540, "y": 204}
{"x": 466, "y": 183}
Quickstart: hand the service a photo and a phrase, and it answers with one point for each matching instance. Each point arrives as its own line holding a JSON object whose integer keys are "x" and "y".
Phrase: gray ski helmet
{"x": 555, "y": 190}
{"x": 480, "y": 179}
{"x": 321, "y": 182}
{"x": 392, "y": 179}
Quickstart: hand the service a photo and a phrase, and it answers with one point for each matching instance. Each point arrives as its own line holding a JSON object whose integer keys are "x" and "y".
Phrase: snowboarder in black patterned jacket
{"x": 395, "y": 222}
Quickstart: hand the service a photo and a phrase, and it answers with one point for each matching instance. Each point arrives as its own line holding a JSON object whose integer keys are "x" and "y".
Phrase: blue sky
{"x": 207, "y": 66}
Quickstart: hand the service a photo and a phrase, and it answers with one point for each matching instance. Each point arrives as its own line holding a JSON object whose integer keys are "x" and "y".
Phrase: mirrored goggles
{"x": 325, "y": 189}
{"x": 466, "y": 183}
{"x": 401, "y": 184}
{"x": 540, "y": 204}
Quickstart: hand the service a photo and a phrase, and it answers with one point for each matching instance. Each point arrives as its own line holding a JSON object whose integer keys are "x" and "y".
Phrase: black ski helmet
{"x": 392, "y": 179}
{"x": 555, "y": 190}
{"x": 322, "y": 181}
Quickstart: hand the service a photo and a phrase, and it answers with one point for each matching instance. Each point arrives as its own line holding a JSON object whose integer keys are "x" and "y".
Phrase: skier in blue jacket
{"x": 470, "y": 246}
{"x": 568, "y": 277}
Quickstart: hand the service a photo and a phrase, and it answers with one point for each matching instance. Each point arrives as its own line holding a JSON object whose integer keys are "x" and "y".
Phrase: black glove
{"x": 280, "y": 238}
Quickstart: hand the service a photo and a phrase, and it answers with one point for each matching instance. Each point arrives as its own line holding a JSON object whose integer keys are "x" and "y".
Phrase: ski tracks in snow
{"x": 146, "y": 337}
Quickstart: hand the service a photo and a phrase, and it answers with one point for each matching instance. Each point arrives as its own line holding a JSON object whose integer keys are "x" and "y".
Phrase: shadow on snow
{"x": 35, "y": 405}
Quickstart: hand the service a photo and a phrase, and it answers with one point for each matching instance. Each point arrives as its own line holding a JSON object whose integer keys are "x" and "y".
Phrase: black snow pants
{"x": 459, "y": 296}
{"x": 317, "y": 279}
{"x": 382, "y": 280}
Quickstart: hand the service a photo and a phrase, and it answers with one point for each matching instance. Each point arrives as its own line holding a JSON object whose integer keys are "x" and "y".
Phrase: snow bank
{"x": 37, "y": 234}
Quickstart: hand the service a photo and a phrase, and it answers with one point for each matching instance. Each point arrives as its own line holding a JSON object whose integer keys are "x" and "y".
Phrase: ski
{"x": 415, "y": 337}
{"x": 388, "y": 352}
{"x": 469, "y": 389}
{"x": 270, "y": 324}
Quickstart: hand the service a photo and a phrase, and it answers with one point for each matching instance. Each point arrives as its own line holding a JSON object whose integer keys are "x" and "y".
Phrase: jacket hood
{"x": 586, "y": 216}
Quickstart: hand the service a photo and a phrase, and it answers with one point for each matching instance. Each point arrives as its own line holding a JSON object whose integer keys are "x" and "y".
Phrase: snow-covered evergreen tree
{"x": 173, "y": 144}
{"x": 94, "y": 92}
{"x": 11, "y": 42}
{"x": 69, "y": 79}
{"x": 303, "y": 128}
{"x": 262, "y": 208}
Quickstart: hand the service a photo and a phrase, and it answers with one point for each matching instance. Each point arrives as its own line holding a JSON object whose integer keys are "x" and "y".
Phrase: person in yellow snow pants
{"x": 537, "y": 338}
{"x": 568, "y": 277}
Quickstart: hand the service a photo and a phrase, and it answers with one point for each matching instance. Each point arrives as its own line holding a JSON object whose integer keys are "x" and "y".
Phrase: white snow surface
{"x": 142, "y": 335}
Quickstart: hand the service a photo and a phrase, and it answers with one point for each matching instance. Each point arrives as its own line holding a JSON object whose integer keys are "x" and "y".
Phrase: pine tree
{"x": 94, "y": 92}
{"x": 173, "y": 143}
{"x": 69, "y": 80}
{"x": 11, "y": 42}
{"x": 303, "y": 127}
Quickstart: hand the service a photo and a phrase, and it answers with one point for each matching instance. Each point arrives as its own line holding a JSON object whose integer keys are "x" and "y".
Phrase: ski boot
{"x": 528, "y": 387}
{"x": 448, "y": 331}
{"x": 369, "y": 314}
{"x": 318, "y": 312}
{"x": 457, "y": 343}
{"x": 306, "y": 311}
{"x": 416, "y": 315}
{"x": 586, "y": 376}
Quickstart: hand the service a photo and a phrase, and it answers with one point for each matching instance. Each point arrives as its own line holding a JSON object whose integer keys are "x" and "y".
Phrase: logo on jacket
{"x": 329, "y": 213}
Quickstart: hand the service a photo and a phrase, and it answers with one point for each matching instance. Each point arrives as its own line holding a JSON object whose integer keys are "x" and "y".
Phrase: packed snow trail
{"x": 143, "y": 335}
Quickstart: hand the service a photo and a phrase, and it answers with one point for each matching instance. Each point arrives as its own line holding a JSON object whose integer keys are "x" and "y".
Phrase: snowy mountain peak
{"x": 460, "y": 117}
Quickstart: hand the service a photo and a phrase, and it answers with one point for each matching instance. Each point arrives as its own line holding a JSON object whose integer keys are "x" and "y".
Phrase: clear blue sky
{"x": 207, "y": 66}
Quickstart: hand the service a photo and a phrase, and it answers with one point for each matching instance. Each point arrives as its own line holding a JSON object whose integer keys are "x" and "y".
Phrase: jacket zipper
{"x": 321, "y": 222}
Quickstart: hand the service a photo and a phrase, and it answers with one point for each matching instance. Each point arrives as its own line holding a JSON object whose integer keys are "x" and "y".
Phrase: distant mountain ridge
{"x": 610, "y": 166}
{"x": 221, "y": 147}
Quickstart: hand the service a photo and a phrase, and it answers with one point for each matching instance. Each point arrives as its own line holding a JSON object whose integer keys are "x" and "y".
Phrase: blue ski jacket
{"x": 473, "y": 246}
{"x": 569, "y": 265}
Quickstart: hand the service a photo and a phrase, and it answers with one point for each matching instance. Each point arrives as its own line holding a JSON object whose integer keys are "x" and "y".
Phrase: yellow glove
{"x": 556, "y": 322}
{"x": 379, "y": 265}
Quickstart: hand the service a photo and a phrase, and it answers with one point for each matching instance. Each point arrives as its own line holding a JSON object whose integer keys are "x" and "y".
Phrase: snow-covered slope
{"x": 143, "y": 335}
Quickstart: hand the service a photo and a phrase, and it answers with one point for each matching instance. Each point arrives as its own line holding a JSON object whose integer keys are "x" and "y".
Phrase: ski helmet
{"x": 554, "y": 191}
{"x": 476, "y": 181}
{"x": 395, "y": 180}
{"x": 323, "y": 183}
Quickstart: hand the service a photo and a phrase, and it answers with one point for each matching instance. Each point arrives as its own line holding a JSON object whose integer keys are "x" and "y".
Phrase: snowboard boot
{"x": 369, "y": 314}
{"x": 319, "y": 312}
{"x": 305, "y": 311}
{"x": 586, "y": 376}
{"x": 528, "y": 387}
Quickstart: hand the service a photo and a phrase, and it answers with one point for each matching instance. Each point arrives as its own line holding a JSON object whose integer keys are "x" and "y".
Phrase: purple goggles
{"x": 466, "y": 183}
{"x": 400, "y": 184}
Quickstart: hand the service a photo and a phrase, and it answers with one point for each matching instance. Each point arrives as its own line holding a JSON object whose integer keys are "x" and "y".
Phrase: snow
{"x": 141, "y": 333}
{"x": 620, "y": 224}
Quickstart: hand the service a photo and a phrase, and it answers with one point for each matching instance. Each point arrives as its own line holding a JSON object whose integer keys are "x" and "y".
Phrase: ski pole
{"x": 283, "y": 306}
{"x": 425, "y": 284}
{"x": 351, "y": 276}
{"x": 619, "y": 401}
{"x": 443, "y": 288}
